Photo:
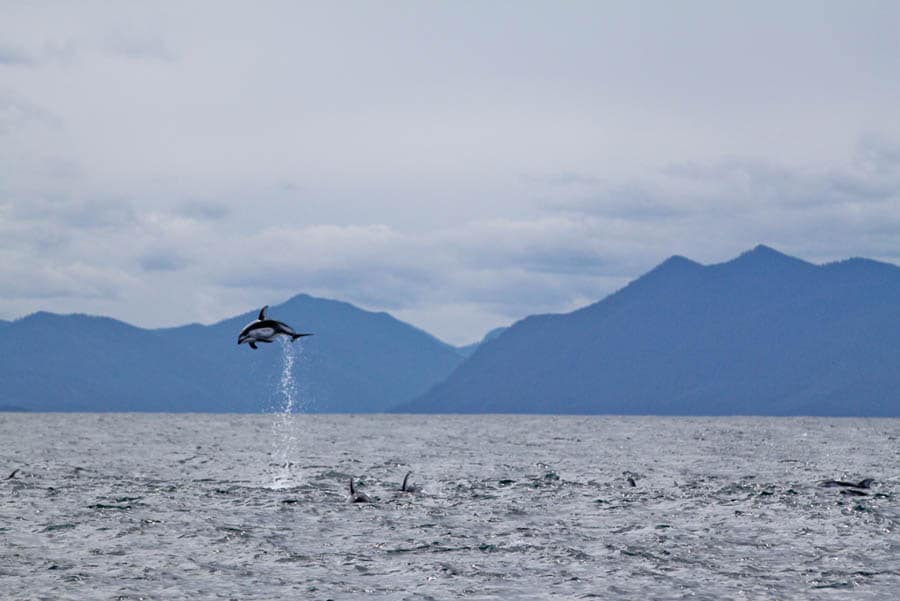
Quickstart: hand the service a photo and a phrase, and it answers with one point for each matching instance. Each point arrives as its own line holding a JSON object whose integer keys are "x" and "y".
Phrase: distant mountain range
{"x": 358, "y": 361}
{"x": 764, "y": 334}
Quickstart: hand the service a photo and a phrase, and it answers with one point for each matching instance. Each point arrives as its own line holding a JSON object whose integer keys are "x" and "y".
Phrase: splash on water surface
{"x": 285, "y": 422}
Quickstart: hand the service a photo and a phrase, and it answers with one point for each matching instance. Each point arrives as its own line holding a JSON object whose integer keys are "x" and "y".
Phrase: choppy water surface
{"x": 248, "y": 507}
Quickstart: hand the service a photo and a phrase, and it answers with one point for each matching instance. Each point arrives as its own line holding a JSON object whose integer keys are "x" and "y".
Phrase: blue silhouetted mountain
{"x": 357, "y": 361}
{"x": 762, "y": 334}
{"x": 469, "y": 349}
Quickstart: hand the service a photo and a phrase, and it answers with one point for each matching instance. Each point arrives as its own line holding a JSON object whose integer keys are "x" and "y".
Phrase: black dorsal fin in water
{"x": 357, "y": 496}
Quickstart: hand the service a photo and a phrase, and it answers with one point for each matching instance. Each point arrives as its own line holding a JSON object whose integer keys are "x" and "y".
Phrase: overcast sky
{"x": 458, "y": 164}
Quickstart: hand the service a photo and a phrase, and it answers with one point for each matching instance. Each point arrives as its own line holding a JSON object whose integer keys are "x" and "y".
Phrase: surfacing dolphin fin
{"x": 408, "y": 486}
{"x": 867, "y": 483}
{"x": 357, "y": 496}
{"x": 262, "y": 313}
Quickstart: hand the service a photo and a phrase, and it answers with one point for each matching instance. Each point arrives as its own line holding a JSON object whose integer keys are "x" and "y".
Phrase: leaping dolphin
{"x": 265, "y": 330}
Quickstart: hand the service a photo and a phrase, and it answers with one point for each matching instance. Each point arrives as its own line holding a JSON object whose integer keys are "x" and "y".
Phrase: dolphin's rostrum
{"x": 265, "y": 330}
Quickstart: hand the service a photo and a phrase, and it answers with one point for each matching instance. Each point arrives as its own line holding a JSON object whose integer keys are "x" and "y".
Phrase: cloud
{"x": 507, "y": 265}
{"x": 18, "y": 112}
{"x": 429, "y": 163}
{"x": 371, "y": 264}
{"x": 71, "y": 212}
{"x": 203, "y": 210}
{"x": 27, "y": 278}
{"x": 457, "y": 279}
{"x": 718, "y": 207}
{"x": 878, "y": 153}
{"x": 16, "y": 57}
{"x": 638, "y": 200}
{"x": 138, "y": 45}
{"x": 63, "y": 45}
{"x": 162, "y": 260}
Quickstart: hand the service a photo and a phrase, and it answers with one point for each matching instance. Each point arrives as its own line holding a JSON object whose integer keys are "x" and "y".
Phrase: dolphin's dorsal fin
{"x": 352, "y": 489}
{"x": 262, "y": 313}
{"x": 405, "y": 479}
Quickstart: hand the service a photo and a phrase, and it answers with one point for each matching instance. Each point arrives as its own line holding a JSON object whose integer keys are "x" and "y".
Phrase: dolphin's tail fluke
{"x": 296, "y": 336}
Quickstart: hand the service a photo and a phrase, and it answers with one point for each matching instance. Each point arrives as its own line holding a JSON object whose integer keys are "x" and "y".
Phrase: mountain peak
{"x": 44, "y": 317}
{"x": 359, "y": 361}
{"x": 762, "y": 334}
{"x": 763, "y": 252}
{"x": 675, "y": 266}
{"x": 766, "y": 257}
{"x": 679, "y": 261}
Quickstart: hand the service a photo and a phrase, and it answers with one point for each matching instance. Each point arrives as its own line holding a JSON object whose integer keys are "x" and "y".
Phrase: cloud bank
{"x": 458, "y": 167}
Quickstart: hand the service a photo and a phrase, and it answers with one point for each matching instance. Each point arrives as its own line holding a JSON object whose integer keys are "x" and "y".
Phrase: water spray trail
{"x": 287, "y": 388}
{"x": 284, "y": 435}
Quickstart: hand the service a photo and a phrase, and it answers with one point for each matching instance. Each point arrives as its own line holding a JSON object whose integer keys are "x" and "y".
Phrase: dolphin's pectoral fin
{"x": 253, "y": 345}
{"x": 262, "y": 313}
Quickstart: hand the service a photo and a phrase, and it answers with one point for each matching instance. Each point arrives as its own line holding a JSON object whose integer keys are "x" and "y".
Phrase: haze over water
{"x": 159, "y": 506}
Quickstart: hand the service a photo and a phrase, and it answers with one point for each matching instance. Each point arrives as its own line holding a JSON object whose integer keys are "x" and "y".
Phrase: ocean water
{"x": 151, "y": 506}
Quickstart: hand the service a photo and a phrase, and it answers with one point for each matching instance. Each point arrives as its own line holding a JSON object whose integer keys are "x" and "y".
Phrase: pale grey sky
{"x": 458, "y": 164}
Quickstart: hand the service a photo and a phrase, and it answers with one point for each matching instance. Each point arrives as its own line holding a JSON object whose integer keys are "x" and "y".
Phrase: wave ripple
{"x": 184, "y": 507}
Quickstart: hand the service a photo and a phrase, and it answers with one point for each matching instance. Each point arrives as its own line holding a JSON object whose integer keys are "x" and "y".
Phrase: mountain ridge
{"x": 764, "y": 333}
{"x": 361, "y": 361}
